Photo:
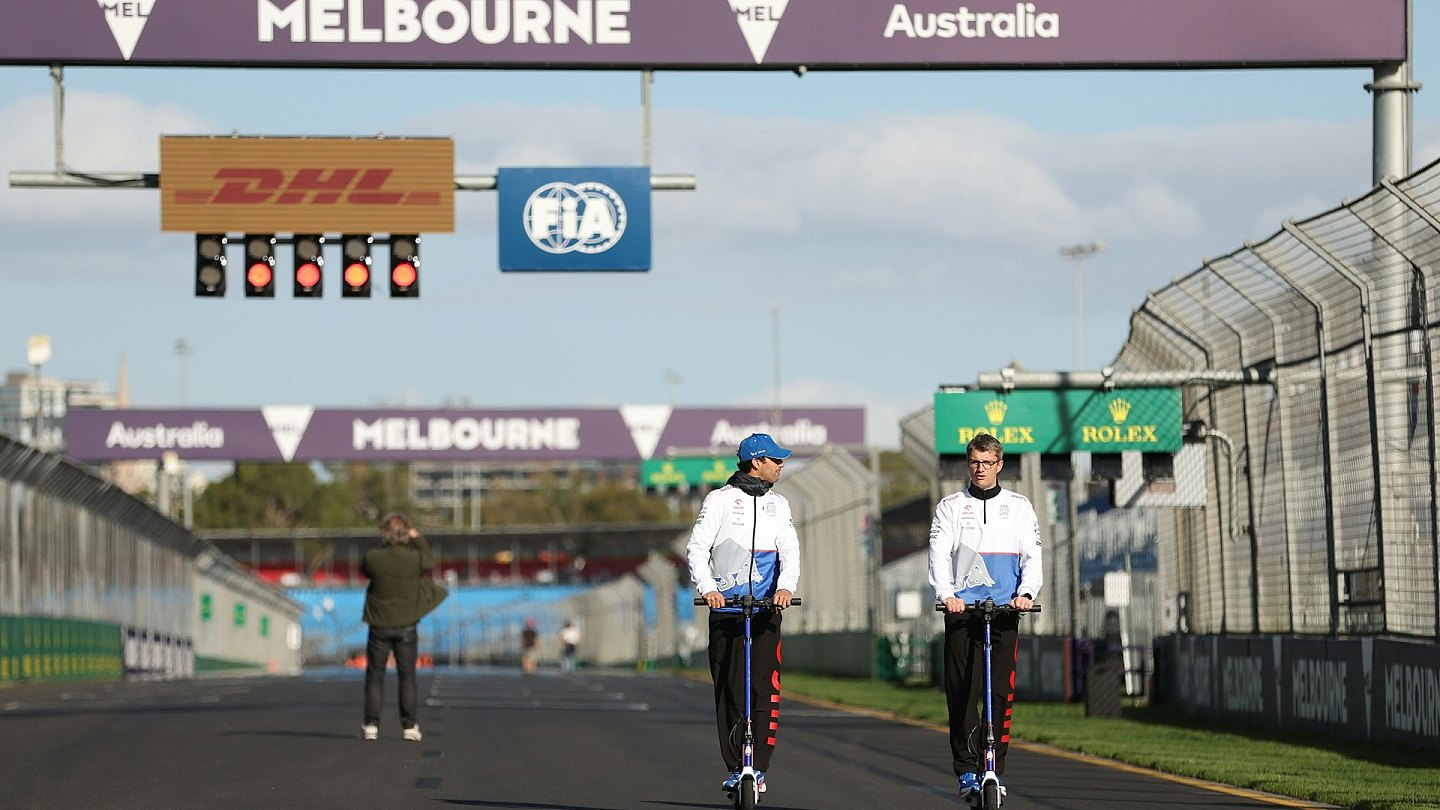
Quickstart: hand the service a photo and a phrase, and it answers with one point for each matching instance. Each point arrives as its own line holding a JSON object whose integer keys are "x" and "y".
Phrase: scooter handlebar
{"x": 737, "y": 601}
{"x": 978, "y": 608}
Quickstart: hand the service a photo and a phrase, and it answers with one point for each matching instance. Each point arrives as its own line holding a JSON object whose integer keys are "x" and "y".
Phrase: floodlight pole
{"x": 1079, "y": 253}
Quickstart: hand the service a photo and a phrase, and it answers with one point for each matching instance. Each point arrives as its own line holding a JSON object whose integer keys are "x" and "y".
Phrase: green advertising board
{"x": 1032, "y": 421}
{"x": 658, "y": 473}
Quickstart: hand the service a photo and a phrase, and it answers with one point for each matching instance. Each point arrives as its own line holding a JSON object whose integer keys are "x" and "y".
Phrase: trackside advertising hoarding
{"x": 1143, "y": 419}
{"x": 304, "y": 433}
{"x": 705, "y": 34}
{"x": 307, "y": 185}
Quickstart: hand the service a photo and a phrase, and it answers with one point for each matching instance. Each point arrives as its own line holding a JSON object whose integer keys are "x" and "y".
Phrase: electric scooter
{"x": 989, "y": 796}
{"x": 747, "y": 793}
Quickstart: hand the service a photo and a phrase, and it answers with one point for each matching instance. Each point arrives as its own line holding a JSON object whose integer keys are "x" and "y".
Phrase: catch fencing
{"x": 1321, "y": 512}
{"x": 95, "y": 583}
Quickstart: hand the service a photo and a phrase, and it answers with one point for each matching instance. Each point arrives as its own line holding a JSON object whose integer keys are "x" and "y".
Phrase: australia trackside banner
{"x": 304, "y": 433}
{"x": 705, "y": 34}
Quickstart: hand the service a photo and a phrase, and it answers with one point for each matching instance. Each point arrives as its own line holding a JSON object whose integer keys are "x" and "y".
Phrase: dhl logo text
{"x": 312, "y": 186}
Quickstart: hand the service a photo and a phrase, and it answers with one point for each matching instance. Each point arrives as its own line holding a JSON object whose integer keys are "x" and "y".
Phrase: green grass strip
{"x": 1344, "y": 773}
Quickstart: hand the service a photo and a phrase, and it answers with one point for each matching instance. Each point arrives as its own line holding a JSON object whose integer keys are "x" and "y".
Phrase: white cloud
{"x": 102, "y": 133}
{"x": 882, "y": 409}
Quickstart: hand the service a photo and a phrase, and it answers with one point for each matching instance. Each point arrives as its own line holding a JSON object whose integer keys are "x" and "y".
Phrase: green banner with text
{"x": 1144, "y": 419}
{"x": 657, "y": 473}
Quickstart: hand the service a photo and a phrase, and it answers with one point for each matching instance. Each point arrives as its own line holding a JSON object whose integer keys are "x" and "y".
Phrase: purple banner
{"x": 303, "y": 433}
{"x": 700, "y": 34}
{"x": 1405, "y": 693}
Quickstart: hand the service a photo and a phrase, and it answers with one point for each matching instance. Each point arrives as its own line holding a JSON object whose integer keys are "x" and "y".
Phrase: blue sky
{"x": 907, "y": 225}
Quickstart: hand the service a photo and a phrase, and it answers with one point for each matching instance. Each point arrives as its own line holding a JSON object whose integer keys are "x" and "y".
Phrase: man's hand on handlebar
{"x": 1022, "y": 603}
{"x": 954, "y": 605}
{"x": 781, "y": 599}
{"x": 715, "y": 599}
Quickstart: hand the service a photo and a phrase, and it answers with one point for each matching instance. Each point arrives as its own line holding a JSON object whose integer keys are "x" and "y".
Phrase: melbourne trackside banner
{"x": 704, "y": 34}
{"x": 307, "y": 185}
{"x": 304, "y": 433}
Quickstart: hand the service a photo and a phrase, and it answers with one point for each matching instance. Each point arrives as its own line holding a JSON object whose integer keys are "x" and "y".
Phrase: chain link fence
{"x": 1325, "y": 523}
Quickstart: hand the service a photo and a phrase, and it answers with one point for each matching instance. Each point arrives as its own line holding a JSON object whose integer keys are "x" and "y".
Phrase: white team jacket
{"x": 729, "y": 525}
{"x": 981, "y": 548}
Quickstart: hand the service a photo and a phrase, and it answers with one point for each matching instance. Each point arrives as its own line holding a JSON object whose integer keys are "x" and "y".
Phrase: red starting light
{"x": 403, "y": 275}
{"x": 357, "y": 275}
{"x": 260, "y": 265}
{"x": 259, "y": 275}
{"x": 307, "y": 275}
{"x": 355, "y": 252}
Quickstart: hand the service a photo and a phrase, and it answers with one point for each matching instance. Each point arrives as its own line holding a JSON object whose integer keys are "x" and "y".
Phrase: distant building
{"x": 458, "y": 489}
{"x": 22, "y": 396}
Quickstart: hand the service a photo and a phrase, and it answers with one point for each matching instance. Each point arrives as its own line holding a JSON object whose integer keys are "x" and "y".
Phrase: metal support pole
{"x": 1392, "y": 90}
{"x": 647, "y": 78}
{"x": 57, "y": 76}
{"x": 1281, "y": 404}
{"x": 39, "y": 410}
{"x": 776, "y": 414}
{"x": 1172, "y": 322}
{"x": 1078, "y": 253}
{"x": 1326, "y": 449}
{"x": 1433, "y": 222}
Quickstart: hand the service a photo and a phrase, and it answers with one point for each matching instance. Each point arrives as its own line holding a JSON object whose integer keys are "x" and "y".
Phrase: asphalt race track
{"x": 493, "y": 739}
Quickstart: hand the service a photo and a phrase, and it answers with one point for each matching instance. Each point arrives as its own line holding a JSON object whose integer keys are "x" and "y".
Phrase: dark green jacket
{"x": 393, "y": 597}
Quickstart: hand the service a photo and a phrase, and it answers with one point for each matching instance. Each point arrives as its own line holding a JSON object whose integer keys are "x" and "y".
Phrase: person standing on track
{"x": 394, "y": 604}
{"x": 744, "y": 542}
{"x": 530, "y": 648}
{"x": 984, "y": 542}
{"x": 569, "y": 642}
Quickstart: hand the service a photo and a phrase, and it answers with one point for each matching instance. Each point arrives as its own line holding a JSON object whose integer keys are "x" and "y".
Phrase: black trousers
{"x": 965, "y": 687}
{"x": 727, "y": 670}
{"x": 405, "y": 643}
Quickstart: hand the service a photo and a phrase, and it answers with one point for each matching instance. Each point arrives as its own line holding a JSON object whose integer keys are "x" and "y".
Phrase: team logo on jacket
{"x": 1004, "y": 512}
{"x": 770, "y": 509}
{"x": 977, "y": 575}
{"x": 735, "y": 579}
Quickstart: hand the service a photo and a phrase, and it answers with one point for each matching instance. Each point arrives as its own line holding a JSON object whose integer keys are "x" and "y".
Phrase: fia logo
{"x": 758, "y": 20}
{"x": 565, "y": 218}
{"x": 127, "y": 19}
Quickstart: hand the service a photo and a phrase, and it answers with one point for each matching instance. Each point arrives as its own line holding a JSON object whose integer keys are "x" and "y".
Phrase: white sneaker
{"x": 412, "y": 734}
{"x": 369, "y": 732}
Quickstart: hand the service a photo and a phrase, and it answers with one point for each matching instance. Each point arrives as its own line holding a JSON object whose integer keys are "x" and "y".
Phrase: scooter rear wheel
{"x": 990, "y": 797}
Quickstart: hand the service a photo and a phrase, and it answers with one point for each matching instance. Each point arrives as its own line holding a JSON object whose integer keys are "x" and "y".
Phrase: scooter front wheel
{"x": 990, "y": 796}
{"x": 746, "y": 794}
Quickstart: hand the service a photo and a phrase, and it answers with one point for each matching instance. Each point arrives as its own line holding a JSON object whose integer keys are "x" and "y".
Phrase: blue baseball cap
{"x": 760, "y": 445}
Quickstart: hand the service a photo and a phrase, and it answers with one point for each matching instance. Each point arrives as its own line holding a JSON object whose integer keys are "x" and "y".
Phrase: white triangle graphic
{"x": 127, "y": 19}
{"x": 646, "y": 423}
{"x": 287, "y": 424}
{"x": 758, "y": 20}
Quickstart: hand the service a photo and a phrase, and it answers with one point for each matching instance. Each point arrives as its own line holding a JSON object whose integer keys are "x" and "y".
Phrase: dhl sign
{"x": 307, "y": 185}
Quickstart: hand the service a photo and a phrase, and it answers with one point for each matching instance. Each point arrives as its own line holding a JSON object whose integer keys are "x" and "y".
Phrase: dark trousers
{"x": 405, "y": 643}
{"x": 965, "y": 687}
{"x": 727, "y": 670}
